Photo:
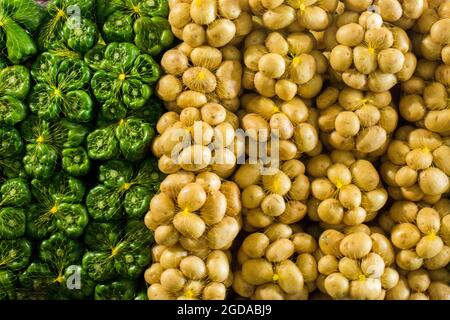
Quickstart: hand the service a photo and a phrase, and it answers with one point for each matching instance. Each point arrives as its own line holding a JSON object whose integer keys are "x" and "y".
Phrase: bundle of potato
{"x": 276, "y": 264}
{"x": 196, "y": 76}
{"x": 425, "y": 100}
{"x": 356, "y": 264}
{"x": 303, "y": 14}
{"x": 198, "y": 139}
{"x": 179, "y": 274}
{"x": 417, "y": 166}
{"x": 283, "y": 65}
{"x": 344, "y": 190}
{"x": 421, "y": 235}
{"x": 213, "y": 22}
{"x": 432, "y": 38}
{"x": 367, "y": 54}
{"x": 291, "y": 123}
{"x": 402, "y": 13}
{"x": 275, "y": 196}
{"x": 354, "y": 120}
{"x": 421, "y": 284}
{"x": 198, "y": 212}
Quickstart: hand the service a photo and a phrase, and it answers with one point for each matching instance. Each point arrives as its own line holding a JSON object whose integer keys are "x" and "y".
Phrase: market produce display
{"x": 225, "y": 149}
{"x": 77, "y": 118}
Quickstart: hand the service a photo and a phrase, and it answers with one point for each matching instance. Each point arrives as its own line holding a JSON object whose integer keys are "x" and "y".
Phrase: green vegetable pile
{"x": 77, "y": 117}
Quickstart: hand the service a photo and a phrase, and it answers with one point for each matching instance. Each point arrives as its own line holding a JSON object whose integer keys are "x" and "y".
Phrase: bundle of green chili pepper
{"x": 77, "y": 118}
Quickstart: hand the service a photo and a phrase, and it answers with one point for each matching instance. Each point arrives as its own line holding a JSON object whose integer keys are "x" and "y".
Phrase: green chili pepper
{"x": 136, "y": 202}
{"x": 40, "y": 224}
{"x": 115, "y": 173}
{"x": 12, "y": 167}
{"x": 66, "y": 189}
{"x": 75, "y": 161}
{"x": 105, "y": 85}
{"x": 40, "y": 160}
{"x": 19, "y": 43}
{"x": 99, "y": 265}
{"x": 11, "y": 143}
{"x": 7, "y": 284}
{"x": 117, "y": 290}
{"x": 153, "y": 35}
{"x": 38, "y": 276}
{"x": 45, "y": 101}
{"x": 113, "y": 110}
{"x": 134, "y": 136}
{"x": 95, "y": 56}
{"x": 151, "y": 112}
{"x": 135, "y": 93}
{"x": 78, "y": 106}
{"x": 146, "y": 69}
{"x": 15, "y": 82}
{"x": 15, "y": 193}
{"x": 73, "y": 74}
{"x": 45, "y": 68}
{"x": 72, "y": 134}
{"x": 119, "y": 57}
{"x": 12, "y": 111}
{"x": 71, "y": 219}
{"x": 141, "y": 296}
{"x": 102, "y": 144}
{"x": 12, "y": 223}
{"x": 137, "y": 231}
{"x": 103, "y": 204}
{"x": 118, "y": 27}
{"x": 81, "y": 34}
{"x": 131, "y": 259}
{"x": 14, "y": 254}
{"x": 101, "y": 236}
{"x": 58, "y": 249}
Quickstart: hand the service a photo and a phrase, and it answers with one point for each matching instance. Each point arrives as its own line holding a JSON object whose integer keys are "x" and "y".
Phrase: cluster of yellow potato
{"x": 277, "y": 196}
{"x": 195, "y": 219}
{"x": 417, "y": 165}
{"x": 344, "y": 190}
{"x": 356, "y": 264}
{"x": 283, "y": 65}
{"x": 276, "y": 263}
{"x": 196, "y": 76}
{"x": 339, "y": 186}
{"x": 216, "y": 23}
{"x": 354, "y": 120}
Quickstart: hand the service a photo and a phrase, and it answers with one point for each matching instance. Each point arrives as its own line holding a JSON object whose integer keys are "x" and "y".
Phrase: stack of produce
{"x": 281, "y": 149}
{"x": 76, "y": 122}
{"x": 284, "y": 65}
{"x": 313, "y": 15}
{"x": 366, "y": 55}
{"x": 344, "y": 190}
{"x": 421, "y": 235}
{"x": 267, "y": 270}
{"x": 417, "y": 167}
{"x": 425, "y": 95}
{"x": 356, "y": 264}
{"x": 216, "y": 23}
{"x": 278, "y": 195}
{"x": 354, "y": 120}
{"x": 421, "y": 285}
{"x": 196, "y": 215}
{"x": 195, "y": 219}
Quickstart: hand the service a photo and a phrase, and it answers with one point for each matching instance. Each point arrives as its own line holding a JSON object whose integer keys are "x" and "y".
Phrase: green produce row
{"x": 77, "y": 116}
